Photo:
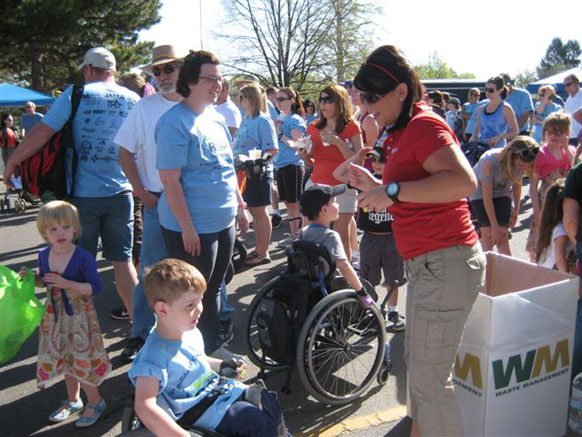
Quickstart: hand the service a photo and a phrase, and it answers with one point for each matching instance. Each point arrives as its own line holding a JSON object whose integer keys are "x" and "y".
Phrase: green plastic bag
{"x": 20, "y": 311}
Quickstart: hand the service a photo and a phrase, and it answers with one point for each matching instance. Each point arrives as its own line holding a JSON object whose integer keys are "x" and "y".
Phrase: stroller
{"x": 16, "y": 198}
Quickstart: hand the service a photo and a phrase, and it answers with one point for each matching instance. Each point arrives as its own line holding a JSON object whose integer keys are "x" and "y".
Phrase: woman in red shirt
{"x": 425, "y": 185}
{"x": 335, "y": 137}
{"x": 8, "y": 137}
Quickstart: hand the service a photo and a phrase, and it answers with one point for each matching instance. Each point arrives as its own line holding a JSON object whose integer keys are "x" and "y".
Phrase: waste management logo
{"x": 530, "y": 368}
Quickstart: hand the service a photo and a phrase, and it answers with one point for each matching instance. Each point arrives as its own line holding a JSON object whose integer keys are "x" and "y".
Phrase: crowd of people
{"x": 378, "y": 156}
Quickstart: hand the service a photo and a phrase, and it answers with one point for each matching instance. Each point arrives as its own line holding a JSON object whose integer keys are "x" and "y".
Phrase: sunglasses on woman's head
{"x": 370, "y": 98}
{"x": 167, "y": 69}
{"x": 326, "y": 99}
{"x": 528, "y": 155}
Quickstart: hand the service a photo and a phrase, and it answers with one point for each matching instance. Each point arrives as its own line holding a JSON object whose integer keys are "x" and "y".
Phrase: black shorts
{"x": 258, "y": 192}
{"x": 290, "y": 183}
{"x": 378, "y": 254}
{"x": 502, "y": 206}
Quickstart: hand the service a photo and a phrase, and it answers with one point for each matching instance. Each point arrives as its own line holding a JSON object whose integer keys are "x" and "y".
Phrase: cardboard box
{"x": 512, "y": 372}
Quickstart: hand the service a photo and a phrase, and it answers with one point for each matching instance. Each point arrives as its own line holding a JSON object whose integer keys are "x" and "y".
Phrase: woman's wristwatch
{"x": 392, "y": 190}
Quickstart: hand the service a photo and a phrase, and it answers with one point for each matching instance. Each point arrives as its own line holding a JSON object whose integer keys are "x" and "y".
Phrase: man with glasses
{"x": 30, "y": 118}
{"x": 573, "y": 107}
{"x": 521, "y": 102}
{"x": 101, "y": 191}
{"x": 225, "y": 107}
{"x": 136, "y": 138}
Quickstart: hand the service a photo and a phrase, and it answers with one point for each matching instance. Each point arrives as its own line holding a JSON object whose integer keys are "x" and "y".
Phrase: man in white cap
{"x": 100, "y": 189}
{"x": 136, "y": 136}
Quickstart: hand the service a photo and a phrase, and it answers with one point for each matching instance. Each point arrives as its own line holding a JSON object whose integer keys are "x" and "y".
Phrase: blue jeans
{"x": 225, "y": 309}
{"x": 153, "y": 250}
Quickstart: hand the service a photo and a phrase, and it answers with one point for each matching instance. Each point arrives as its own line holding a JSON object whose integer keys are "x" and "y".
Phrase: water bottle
{"x": 575, "y": 415}
{"x": 387, "y": 356}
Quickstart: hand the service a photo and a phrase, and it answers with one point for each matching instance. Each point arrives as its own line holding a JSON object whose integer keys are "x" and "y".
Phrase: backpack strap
{"x": 68, "y": 135}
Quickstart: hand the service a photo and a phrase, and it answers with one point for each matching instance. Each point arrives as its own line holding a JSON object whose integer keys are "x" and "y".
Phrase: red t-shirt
{"x": 424, "y": 227}
{"x": 7, "y": 138}
{"x": 328, "y": 158}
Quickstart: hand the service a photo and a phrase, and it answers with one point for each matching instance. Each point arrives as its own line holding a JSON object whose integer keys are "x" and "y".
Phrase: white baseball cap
{"x": 99, "y": 57}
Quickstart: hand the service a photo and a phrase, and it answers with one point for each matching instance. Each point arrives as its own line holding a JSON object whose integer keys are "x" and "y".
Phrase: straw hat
{"x": 162, "y": 55}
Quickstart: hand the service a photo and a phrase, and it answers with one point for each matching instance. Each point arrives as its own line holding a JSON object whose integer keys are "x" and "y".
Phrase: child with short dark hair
{"x": 319, "y": 206}
{"x": 70, "y": 338}
{"x": 176, "y": 384}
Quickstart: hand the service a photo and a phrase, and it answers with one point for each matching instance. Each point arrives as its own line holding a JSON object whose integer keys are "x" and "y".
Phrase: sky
{"x": 483, "y": 38}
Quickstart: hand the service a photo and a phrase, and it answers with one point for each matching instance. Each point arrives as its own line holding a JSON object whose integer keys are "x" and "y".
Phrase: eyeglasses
{"x": 370, "y": 98}
{"x": 554, "y": 132}
{"x": 490, "y": 90}
{"x": 528, "y": 155}
{"x": 166, "y": 69}
{"x": 282, "y": 99}
{"x": 541, "y": 96}
{"x": 326, "y": 99}
{"x": 566, "y": 85}
{"x": 211, "y": 79}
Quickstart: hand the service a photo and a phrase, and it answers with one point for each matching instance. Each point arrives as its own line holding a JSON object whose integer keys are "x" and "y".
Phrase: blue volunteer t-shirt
{"x": 255, "y": 133}
{"x": 471, "y": 109}
{"x": 185, "y": 376}
{"x": 102, "y": 109}
{"x": 538, "y": 128}
{"x": 287, "y": 155}
{"x": 199, "y": 145}
{"x": 520, "y": 101}
{"x": 273, "y": 113}
{"x": 27, "y": 122}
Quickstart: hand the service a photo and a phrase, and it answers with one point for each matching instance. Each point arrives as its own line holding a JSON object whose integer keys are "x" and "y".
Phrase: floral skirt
{"x": 71, "y": 344}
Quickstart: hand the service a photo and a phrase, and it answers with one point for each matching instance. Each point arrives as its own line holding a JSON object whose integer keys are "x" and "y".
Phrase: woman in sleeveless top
{"x": 496, "y": 122}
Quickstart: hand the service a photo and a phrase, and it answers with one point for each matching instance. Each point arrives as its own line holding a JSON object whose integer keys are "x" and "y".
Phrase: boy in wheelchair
{"x": 318, "y": 204}
{"x": 176, "y": 384}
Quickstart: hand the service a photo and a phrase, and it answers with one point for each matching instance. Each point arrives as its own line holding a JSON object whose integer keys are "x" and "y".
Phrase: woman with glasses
{"x": 544, "y": 107}
{"x": 336, "y": 136}
{"x": 499, "y": 173}
{"x": 257, "y": 131}
{"x": 201, "y": 202}
{"x": 289, "y": 168}
{"x": 554, "y": 161}
{"x": 424, "y": 186}
{"x": 496, "y": 122}
{"x": 469, "y": 113}
{"x": 310, "y": 114}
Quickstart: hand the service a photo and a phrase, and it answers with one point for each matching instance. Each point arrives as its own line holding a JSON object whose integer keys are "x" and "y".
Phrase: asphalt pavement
{"x": 24, "y": 409}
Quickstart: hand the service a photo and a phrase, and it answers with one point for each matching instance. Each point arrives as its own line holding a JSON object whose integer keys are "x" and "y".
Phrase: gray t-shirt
{"x": 500, "y": 184}
{"x": 327, "y": 238}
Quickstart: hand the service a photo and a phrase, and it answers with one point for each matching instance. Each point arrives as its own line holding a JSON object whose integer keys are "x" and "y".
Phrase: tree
{"x": 48, "y": 38}
{"x": 437, "y": 68}
{"x": 524, "y": 78}
{"x": 559, "y": 56}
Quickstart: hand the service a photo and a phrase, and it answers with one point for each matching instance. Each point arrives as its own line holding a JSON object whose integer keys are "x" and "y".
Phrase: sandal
{"x": 71, "y": 408}
{"x": 98, "y": 409}
{"x": 255, "y": 256}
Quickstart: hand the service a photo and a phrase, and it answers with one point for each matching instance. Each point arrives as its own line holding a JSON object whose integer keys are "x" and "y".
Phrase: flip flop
{"x": 255, "y": 256}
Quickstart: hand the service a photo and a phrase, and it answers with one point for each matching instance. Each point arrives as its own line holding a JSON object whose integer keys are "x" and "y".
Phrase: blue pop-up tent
{"x": 13, "y": 95}
{"x": 556, "y": 80}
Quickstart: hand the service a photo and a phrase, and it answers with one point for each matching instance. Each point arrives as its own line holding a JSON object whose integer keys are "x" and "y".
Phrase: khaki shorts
{"x": 443, "y": 286}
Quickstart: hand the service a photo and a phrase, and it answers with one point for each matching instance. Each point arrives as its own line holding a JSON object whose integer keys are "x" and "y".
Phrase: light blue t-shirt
{"x": 255, "y": 133}
{"x": 185, "y": 376}
{"x": 538, "y": 128}
{"x": 102, "y": 109}
{"x": 287, "y": 155}
{"x": 471, "y": 109}
{"x": 27, "y": 122}
{"x": 199, "y": 145}
{"x": 520, "y": 101}
{"x": 310, "y": 118}
{"x": 272, "y": 110}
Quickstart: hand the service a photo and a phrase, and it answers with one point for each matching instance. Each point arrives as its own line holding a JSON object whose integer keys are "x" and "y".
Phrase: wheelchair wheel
{"x": 341, "y": 348}
{"x": 251, "y": 330}
{"x": 239, "y": 255}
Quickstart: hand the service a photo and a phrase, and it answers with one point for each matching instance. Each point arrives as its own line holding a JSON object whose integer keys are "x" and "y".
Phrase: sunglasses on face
{"x": 326, "y": 99}
{"x": 282, "y": 99}
{"x": 166, "y": 69}
{"x": 490, "y": 90}
{"x": 528, "y": 155}
{"x": 241, "y": 97}
{"x": 566, "y": 85}
{"x": 370, "y": 98}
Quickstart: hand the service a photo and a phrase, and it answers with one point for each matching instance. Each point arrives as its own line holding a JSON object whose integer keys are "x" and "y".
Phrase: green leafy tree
{"x": 437, "y": 68}
{"x": 559, "y": 57}
{"x": 45, "y": 40}
{"x": 525, "y": 77}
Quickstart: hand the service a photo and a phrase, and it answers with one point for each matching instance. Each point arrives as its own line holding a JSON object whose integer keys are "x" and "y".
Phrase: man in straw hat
{"x": 136, "y": 136}
{"x": 100, "y": 189}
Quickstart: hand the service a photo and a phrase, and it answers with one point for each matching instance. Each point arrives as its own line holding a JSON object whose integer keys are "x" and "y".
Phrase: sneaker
{"x": 119, "y": 313}
{"x": 396, "y": 320}
{"x": 225, "y": 332}
{"x": 287, "y": 241}
{"x": 133, "y": 346}
{"x": 365, "y": 299}
{"x": 276, "y": 220}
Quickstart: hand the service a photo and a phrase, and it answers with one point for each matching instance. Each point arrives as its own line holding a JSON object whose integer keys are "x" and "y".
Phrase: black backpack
{"x": 280, "y": 317}
{"x": 46, "y": 169}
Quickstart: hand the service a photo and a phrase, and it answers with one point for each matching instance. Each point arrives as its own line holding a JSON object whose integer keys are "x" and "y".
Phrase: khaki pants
{"x": 442, "y": 289}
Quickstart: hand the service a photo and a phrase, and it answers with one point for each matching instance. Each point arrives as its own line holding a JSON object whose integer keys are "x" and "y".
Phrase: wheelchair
{"x": 341, "y": 347}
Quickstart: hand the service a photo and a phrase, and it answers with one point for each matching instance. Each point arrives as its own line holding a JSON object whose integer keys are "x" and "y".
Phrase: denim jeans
{"x": 153, "y": 250}
{"x": 225, "y": 309}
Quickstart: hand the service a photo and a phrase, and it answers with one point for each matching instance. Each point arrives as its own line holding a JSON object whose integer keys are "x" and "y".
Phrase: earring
{"x": 401, "y": 99}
